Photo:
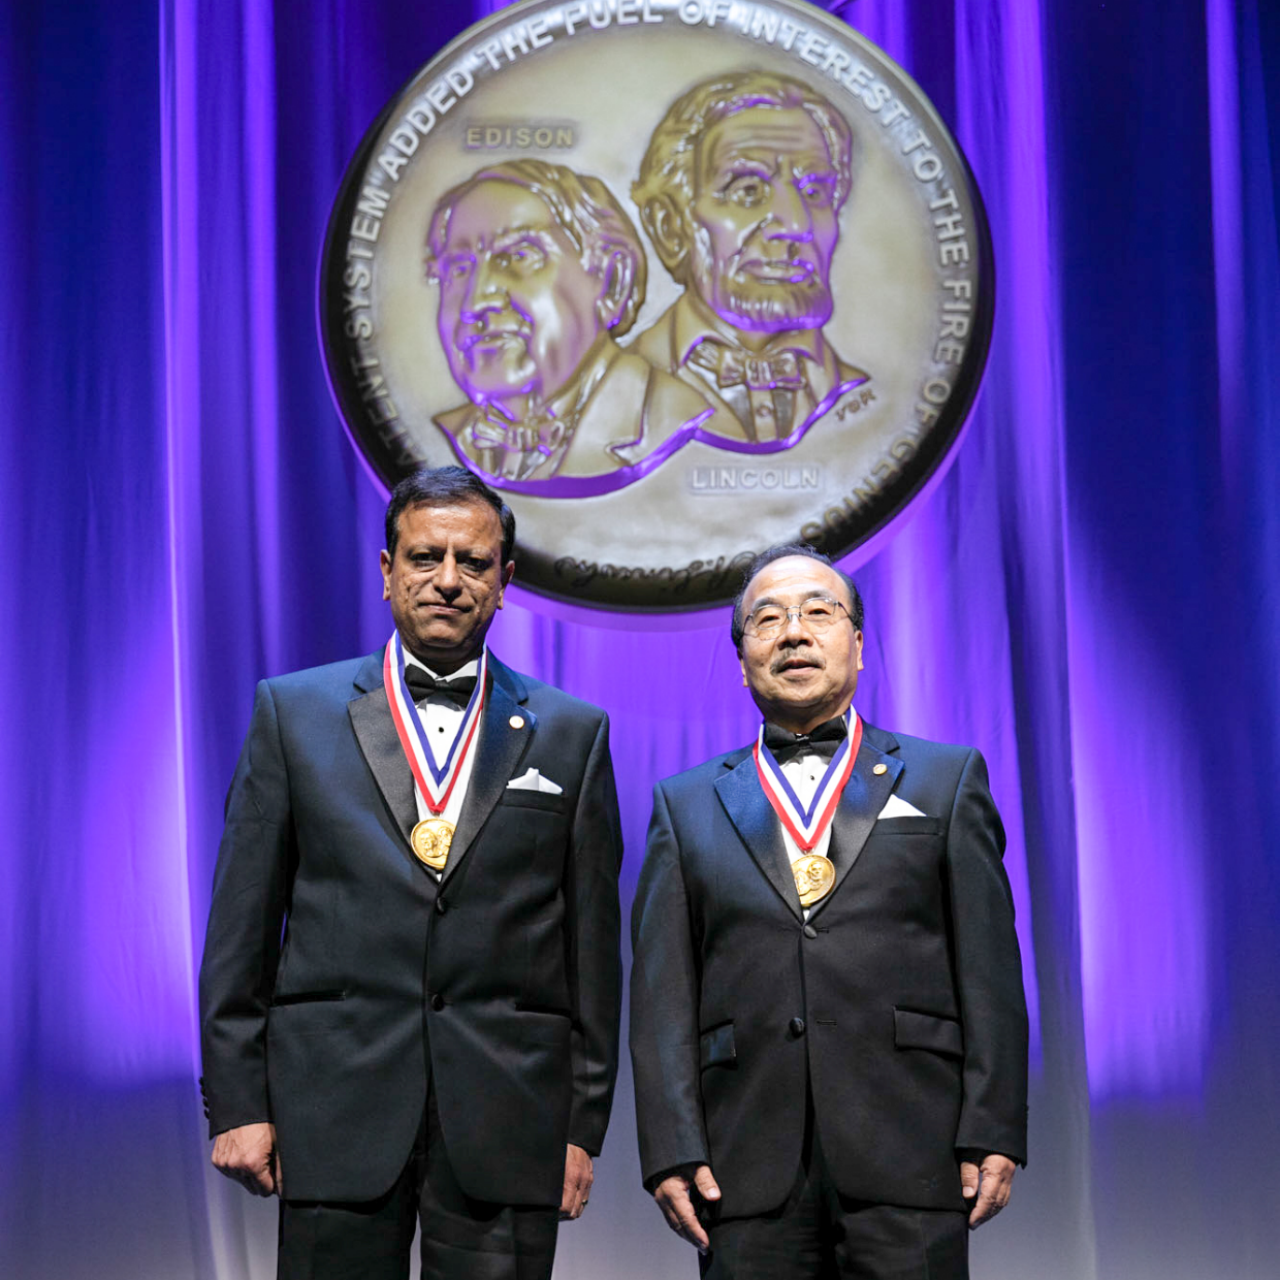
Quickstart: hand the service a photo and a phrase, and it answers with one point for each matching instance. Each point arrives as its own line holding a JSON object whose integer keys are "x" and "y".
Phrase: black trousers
{"x": 818, "y": 1234}
{"x": 462, "y": 1238}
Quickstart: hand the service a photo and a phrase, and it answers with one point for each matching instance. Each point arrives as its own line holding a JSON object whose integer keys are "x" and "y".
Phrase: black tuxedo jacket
{"x": 337, "y": 973}
{"x": 899, "y": 1004}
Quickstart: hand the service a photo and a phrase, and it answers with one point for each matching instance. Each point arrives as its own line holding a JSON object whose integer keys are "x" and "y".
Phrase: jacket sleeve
{"x": 664, "y": 1009}
{"x": 246, "y": 916}
{"x": 988, "y": 968}
{"x": 594, "y": 960}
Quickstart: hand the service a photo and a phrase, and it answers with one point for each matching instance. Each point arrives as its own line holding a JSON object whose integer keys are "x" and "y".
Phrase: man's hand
{"x": 991, "y": 1184}
{"x": 578, "y": 1177}
{"x": 248, "y": 1154}
{"x": 674, "y": 1195}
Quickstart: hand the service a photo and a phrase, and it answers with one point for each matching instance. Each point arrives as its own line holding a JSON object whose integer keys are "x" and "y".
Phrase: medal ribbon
{"x": 436, "y": 784}
{"x": 806, "y": 825}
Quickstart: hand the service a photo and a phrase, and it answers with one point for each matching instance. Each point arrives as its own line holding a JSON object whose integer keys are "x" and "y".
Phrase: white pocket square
{"x": 900, "y": 808}
{"x": 532, "y": 780}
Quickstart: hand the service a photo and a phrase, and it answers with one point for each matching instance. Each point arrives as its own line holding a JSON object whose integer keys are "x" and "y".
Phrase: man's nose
{"x": 788, "y": 213}
{"x": 446, "y": 579}
{"x": 484, "y": 292}
{"x": 795, "y": 632}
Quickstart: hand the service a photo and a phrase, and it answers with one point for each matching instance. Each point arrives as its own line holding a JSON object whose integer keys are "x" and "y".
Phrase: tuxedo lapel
{"x": 864, "y": 795}
{"x": 376, "y": 733}
{"x": 506, "y": 730}
{"x": 498, "y": 752}
{"x": 751, "y": 813}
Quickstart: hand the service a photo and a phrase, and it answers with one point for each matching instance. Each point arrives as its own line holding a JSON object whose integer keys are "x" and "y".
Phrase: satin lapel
{"x": 864, "y": 795}
{"x": 376, "y": 733}
{"x": 501, "y": 746}
{"x": 751, "y": 813}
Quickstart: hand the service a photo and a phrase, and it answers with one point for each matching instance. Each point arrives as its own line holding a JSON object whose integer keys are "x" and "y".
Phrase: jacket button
{"x": 810, "y": 931}
{"x": 441, "y": 907}
{"x": 797, "y": 1026}
{"x": 437, "y": 1003}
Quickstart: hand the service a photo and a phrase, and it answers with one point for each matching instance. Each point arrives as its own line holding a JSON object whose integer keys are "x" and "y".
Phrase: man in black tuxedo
{"x": 387, "y": 1039}
{"x": 827, "y": 1019}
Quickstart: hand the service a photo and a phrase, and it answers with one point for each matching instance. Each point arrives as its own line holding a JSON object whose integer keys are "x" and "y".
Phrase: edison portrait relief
{"x": 539, "y": 271}
{"x": 740, "y": 192}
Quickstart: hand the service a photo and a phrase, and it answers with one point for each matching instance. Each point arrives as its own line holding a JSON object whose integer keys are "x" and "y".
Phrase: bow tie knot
{"x": 518, "y": 437}
{"x": 824, "y": 740}
{"x": 520, "y": 448}
{"x": 422, "y": 684}
{"x": 734, "y": 368}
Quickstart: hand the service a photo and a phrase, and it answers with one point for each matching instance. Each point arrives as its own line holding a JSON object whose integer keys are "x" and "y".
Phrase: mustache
{"x": 793, "y": 655}
{"x": 793, "y": 266}
{"x": 757, "y": 307}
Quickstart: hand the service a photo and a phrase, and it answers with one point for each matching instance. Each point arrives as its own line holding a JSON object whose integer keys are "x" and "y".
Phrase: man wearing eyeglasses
{"x": 828, "y": 1029}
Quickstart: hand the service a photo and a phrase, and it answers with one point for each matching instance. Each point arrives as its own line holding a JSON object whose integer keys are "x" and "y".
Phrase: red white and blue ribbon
{"x": 435, "y": 783}
{"x": 806, "y": 823}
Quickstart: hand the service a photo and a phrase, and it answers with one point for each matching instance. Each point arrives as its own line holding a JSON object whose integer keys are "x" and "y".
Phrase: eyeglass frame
{"x": 798, "y": 611}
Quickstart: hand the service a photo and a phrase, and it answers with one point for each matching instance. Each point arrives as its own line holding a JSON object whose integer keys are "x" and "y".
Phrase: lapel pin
{"x": 516, "y": 722}
{"x": 880, "y": 768}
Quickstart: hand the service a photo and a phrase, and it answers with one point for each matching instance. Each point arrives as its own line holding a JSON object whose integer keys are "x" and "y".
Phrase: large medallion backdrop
{"x": 657, "y": 409}
{"x": 1091, "y": 594}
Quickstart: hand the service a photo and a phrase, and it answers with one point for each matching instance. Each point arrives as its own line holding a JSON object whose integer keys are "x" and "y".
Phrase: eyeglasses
{"x": 817, "y": 614}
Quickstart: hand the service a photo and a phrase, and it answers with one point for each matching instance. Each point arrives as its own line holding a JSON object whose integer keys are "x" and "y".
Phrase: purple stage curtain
{"x": 1092, "y": 596}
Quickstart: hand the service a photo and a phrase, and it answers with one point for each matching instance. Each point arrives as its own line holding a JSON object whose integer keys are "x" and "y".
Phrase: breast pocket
{"x": 528, "y": 834}
{"x": 909, "y": 825}
{"x": 524, "y": 798}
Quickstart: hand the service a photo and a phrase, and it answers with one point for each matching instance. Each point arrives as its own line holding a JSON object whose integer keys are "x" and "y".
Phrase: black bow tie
{"x": 825, "y": 740}
{"x": 422, "y": 683}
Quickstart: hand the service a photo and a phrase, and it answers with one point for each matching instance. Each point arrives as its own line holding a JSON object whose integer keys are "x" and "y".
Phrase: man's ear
{"x": 662, "y": 220}
{"x": 619, "y": 277}
{"x": 508, "y": 572}
{"x": 384, "y": 560}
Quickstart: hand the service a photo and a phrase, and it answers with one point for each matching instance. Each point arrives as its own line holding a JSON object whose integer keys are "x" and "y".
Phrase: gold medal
{"x": 814, "y": 877}
{"x": 431, "y": 839}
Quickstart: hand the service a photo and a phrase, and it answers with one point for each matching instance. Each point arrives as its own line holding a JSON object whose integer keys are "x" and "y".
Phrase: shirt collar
{"x": 850, "y": 712}
{"x": 471, "y": 668}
